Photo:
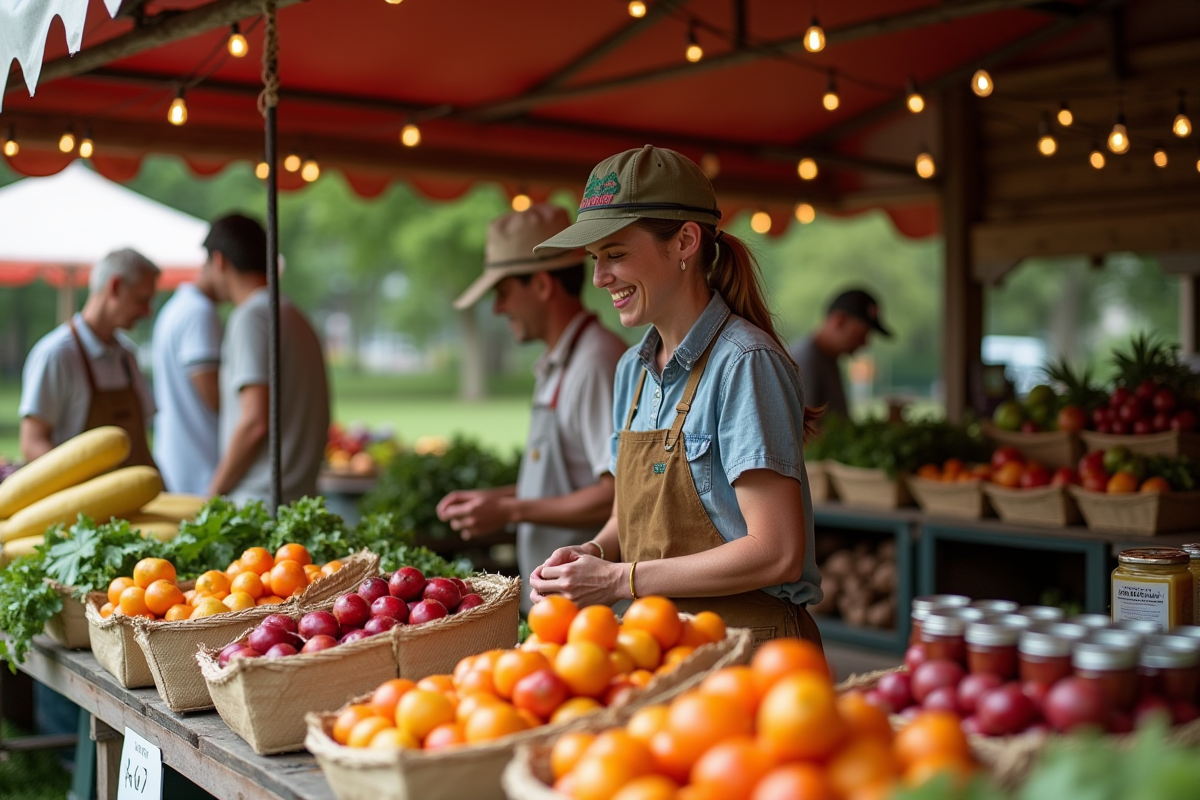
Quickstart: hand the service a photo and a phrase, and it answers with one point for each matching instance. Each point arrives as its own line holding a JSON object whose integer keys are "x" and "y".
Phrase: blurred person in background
{"x": 847, "y": 327}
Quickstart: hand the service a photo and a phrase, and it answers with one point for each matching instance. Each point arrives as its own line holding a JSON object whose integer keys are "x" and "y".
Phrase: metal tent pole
{"x": 267, "y": 103}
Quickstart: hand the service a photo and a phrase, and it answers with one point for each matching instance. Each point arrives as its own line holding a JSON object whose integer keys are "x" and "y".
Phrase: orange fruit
{"x": 1155, "y": 484}
{"x": 447, "y": 735}
{"x": 293, "y": 552}
{"x": 287, "y": 578}
{"x": 672, "y": 657}
{"x": 420, "y": 711}
{"x": 239, "y": 601}
{"x": 477, "y": 680}
{"x": 794, "y": 782}
{"x": 863, "y": 762}
{"x": 780, "y": 657}
{"x": 862, "y": 718}
{"x": 248, "y": 582}
{"x": 641, "y": 677}
{"x": 208, "y": 607}
{"x": 514, "y": 665}
{"x": 640, "y": 646}
{"x": 257, "y": 560}
{"x": 493, "y": 720}
{"x": 672, "y": 755}
{"x": 550, "y": 619}
{"x": 575, "y": 708}
{"x": 798, "y": 717}
{"x": 710, "y": 625}
{"x": 470, "y": 703}
{"x": 117, "y": 586}
{"x": 658, "y": 616}
{"x": 731, "y": 769}
{"x": 331, "y": 567}
{"x": 178, "y": 612}
{"x": 364, "y": 731}
{"x": 349, "y": 717}
{"x": 189, "y": 596}
{"x": 648, "y": 787}
{"x": 436, "y": 683}
{"x": 1122, "y": 483}
{"x": 234, "y": 569}
{"x": 212, "y": 583}
{"x": 312, "y": 572}
{"x": 149, "y": 570}
{"x": 931, "y": 733}
{"x": 161, "y": 595}
{"x": 385, "y": 697}
{"x": 585, "y": 667}
{"x": 133, "y": 602}
{"x": 595, "y": 624}
{"x": 697, "y": 722}
{"x": 600, "y": 778}
{"x": 567, "y": 751}
{"x": 107, "y": 609}
{"x": 630, "y": 750}
{"x": 269, "y": 600}
{"x": 926, "y": 769}
{"x": 647, "y": 722}
{"x": 736, "y": 683}
{"x": 621, "y": 664}
{"x": 393, "y": 739}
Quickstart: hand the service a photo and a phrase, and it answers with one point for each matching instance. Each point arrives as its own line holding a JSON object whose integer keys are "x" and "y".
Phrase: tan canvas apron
{"x": 543, "y": 473}
{"x": 660, "y": 515}
{"x": 120, "y": 407}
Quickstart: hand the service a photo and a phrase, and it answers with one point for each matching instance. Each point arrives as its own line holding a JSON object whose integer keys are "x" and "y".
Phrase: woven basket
{"x": 114, "y": 645}
{"x": 1140, "y": 513}
{"x": 170, "y": 647}
{"x": 956, "y": 499}
{"x": 1046, "y": 506}
{"x": 1051, "y": 449}
{"x": 1171, "y": 443}
{"x": 473, "y": 772}
{"x": 69, "y": 627}
{"x": 868, "y": 487}
{"x": 820, "y": 487}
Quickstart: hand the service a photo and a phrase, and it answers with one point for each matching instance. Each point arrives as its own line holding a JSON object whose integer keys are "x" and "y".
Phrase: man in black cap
{"x": 848, "y": 324}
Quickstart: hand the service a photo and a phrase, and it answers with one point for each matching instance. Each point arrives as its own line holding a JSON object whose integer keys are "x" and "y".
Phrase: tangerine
{"x": 619, "y": 743}
{"x": 161, "y": 595}
{"x": 736, "y": 683}
{"x": 575, "y": 708}
{"x": 640, "y": 646}
{"x": 595, "y": 624}
{"x": 863, "y": 762}
{"x": 648, "y": 787}
{"x": 239, "y": 601}
{"x": 349, "y": 717}
{"x": 385, "y": 697}
{"x": 641, "y": 677}
{"x": 514, "y": 665}
{"x": 675, "y": 655}
{"x": 117, "y": 586}
{"x": 257, "y": 560}
{"x": 493, "y": 720}
{"x": 794, "y": 782}
{"x": 293, "y": 552}
{"x": 470, "y": 703}
{"x": 178, "y": 612}
{"x": 393, "y": 739}
{"x": 133, "y": 602}
{"x": 926, "y": 769}
{"x": 567, "y": 751}
{"x": 477, "y": 680}
{"x": 621, "y": 664}
{"x": 420, "y": 711}
{"x": 698, "y": 721}
{"x": 585, "y": 667}
{"x": 780, "y": 657}
{"x": 798, "y": 717}
{"x": 331, "y": 567}
{"x": 207, "y": 607}
{"x": 931, "y": 733}
{"x": 1122, "y": 483}
{"x": 710, "y": 625}
{"x": 234, "y": 569}
{"x": 248, "y": 582}
{"x": 312, "y": 572}
{"x": 731, "y": 769}
{"x": 149, "y": 570}
{"x": 269, "y": 600}
{"x": 658, "y": 616}
{"x": 861, "y": 717}
{"x": 550, "y": 618}
{"x": 287, "y": 578}
{"x": 437, "y": 683}
{"x": 447, "y": 735}
{"x": 364, "y": 731}
{"x": 212, "y": 583}
{"x": 647, "y": 722}
{"x": 107, "y": 609}
{"x": 600, "y": 778}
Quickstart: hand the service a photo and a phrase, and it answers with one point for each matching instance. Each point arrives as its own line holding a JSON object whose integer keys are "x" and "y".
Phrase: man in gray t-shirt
{"x": 237, "y": 249}
{"x": 847, "y": 325}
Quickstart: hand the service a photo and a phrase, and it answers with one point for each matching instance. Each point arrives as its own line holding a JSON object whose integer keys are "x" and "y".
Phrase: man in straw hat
{"x": 564, "y": 492}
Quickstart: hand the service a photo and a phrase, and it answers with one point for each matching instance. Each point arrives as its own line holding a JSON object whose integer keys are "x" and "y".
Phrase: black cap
{"x": 860, "y": 303}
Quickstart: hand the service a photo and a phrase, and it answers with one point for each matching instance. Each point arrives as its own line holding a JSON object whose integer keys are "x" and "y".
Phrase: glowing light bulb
{"x": 1096, "y": 157}
{"x": 760, "y": 222}
{"x": 637, "y": 9}
{"x": 394, "y": 2}
{"x": 814, "y": 37}
{"x": 805, "y": 213}
{"x": 66, "y": 142}
{"x": 1046, "y": 143}
{"x": 830, "y": 99}
{"x": 521, "y": 202}
{"x": 1118, "y": 140}
{"x": 237, "y": 43}
{"x": 710, "y": 165}
{"x": 914, "y": 100}
{"x": 1183, "y": 126}
{"x": 262, "y": 170}
{"x": 981, "y": 83}
{"x": 177, "y": 114}
{"x": 925, "y": 166}
{"x": 11, "y": 147}
{"x": 807, "y": 169}
{"x": 1160, "y": 157}
{"x": 310, "y": 170}
{"x": 410, "y": 135}
{"x": 292, "y": 163}
{"x": 1065, "y": 117}
{"x": 86, "y": 147}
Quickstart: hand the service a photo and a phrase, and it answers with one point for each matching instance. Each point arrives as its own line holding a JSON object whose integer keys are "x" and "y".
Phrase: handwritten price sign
{"x": 141, "y": 769}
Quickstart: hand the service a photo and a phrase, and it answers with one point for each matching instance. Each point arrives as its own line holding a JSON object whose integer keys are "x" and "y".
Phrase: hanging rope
{"x": 269, "y": 96}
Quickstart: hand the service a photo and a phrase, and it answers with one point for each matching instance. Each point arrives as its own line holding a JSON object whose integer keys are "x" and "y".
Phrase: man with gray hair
{"x": 82, "y": 374}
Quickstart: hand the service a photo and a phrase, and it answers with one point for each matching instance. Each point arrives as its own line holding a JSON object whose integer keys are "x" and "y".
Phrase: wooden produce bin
{"x": 1144, "y": 514}
{"x": 954, "y": 499}
{"x": 1051, "y": 449}
{"x": 1046, "y": 506}
{"x": 69, "y": 627}
{"x": 1172, "y": 444}
{"x": 872, "y": 488}
{"x": 820, "y": 487}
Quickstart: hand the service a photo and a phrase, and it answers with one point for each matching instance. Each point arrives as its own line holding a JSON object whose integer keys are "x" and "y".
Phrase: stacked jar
{"x": 1153, "y": 585}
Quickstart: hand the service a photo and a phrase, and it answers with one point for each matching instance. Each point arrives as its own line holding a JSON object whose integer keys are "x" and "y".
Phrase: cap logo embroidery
{"x": 600, "y": 191}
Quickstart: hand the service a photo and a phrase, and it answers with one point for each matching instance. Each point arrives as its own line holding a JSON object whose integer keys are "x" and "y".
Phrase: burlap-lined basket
{"x": 114, "y": 645}
{"x": 69, "y": 627}
{"x": 170, "y": 647}
{"x": 954, "y": 499}
{"x": 1045, "y": 506}
{"x": 873, "y": 488}
{"x": 1172, "y": 444}
{"x": 264, "y": 700}
{"x": 866, "y": 680}
{"x": 473, "y": 772}
{"x": 1051, "y": 449}
{"x": 820, "y": 487}
{"x": 1141, "y": 513}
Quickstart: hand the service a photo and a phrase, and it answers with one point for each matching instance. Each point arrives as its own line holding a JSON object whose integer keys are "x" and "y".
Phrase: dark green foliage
{"x": 1182, "y": 473}
{"x": 896, "y": 447}
{"x": 26, "y": 601}
{"x": 221, "y": 532}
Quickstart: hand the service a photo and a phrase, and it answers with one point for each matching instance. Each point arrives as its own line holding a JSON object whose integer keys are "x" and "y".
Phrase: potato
{"x": 839, "y": 563}
{"x": 831, "y": 586}
{"x": 881, "y": 614}
{"x": 865, "y": 566}
{"x": 852, "y": 612}
{"x": 884, "y": 579}
{"x": 886, "y": 550}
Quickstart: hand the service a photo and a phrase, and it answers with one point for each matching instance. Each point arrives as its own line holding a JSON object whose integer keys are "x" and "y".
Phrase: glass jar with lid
{"x": 922, "y": 606}
{"x": 1067, "y": 630}
{"x": 1153, "y": 584}
{"x": 1047, "y": 613}
{"x": 1091, "y": 620}
{"x": 992, "y": 647}
{"x": 944, "y": 636}
{"x": 1193, "y": 551}
{"x": 1168, "y": 672}
{"x": 1116, "y": 637}
{"x": 1043, "y": 657}
{"x": 995, "y": 606}
{"x": 1113, "y": 669}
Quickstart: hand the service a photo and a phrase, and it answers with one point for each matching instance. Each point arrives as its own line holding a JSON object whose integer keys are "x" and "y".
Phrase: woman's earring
{"x": 682, "y": 264}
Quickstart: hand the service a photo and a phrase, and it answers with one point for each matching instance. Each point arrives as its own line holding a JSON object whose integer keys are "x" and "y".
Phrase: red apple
{"x": 352, "y": 610}
{"x": 1092, "y": 462}
{"x": 915, "y": 656}
{"x": 1141, "y": 427}
{"x": 427, "y": 611}
{"x": 1095, "y": 482}
{"x": 1118, "y": 427}
{"x": 1161, "y": 422}
{"x": 388, "y": 606}
{"x": 1029, "y": 426}
{"x": 1071, "y": 419}
{"x": 227, "y": 651}
{"x": 896, "y": 689}
{"x": 1130, "y": 412}
{"x": 372, "y": 589}
{"x": 468, "y": 602}
{"x": 318, "y": 643}
{"x": 1034, "y": 476}
{"x": 1163, "y": 400}
{"x": 975, "y": 686}
{"x": 1184, "y": 420}
{"x": 1100, "y": 417}
{"x": 444, "y": 591}
{"x": 1120, "y": 722}
{"x": 541, "y": 692}
{"x": 1150, "y": 706}
{"x": 280, "y": 621}
{"x": 944, "y": 698}
{"x": 1119, "y": 397}
{"x": 264, "y": 637}
{"x": 876, "y": 698}
{"x": 1075, "y": 702}
{"x": 1003, "y": 455}
{"x": 970, "y": 726}
{"x": 407, "y": 583}
{"x": 935, "y": 674}
{"x": 318, "y": 623}
{"x": 1036, "y": 692}
{"x": 460, "y": 583}
{"x": 281, "y": 650}
{"x": 1064, "y": 476}
{"x": 1145, "y": 390}
{"x": 1004, "y": 711}
{"x": 1183, "y": 712}
{"x": 377, "y": 625}
{"x": 354, "y": 636}
{"x": 244, "y": 652}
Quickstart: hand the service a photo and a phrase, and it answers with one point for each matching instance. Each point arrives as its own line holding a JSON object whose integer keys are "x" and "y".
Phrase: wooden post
{"x": 108, "y": 759}
{"x": 962, "y": 335}
{"x": 268, "y": 101}
{"x": 1189, "y": 321}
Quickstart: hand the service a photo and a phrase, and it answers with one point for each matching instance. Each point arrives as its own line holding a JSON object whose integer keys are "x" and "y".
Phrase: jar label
{"x": 1141, "y": 600}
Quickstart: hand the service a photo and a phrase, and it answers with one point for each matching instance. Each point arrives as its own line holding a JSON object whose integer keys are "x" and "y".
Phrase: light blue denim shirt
{"x": 748, "y": 413}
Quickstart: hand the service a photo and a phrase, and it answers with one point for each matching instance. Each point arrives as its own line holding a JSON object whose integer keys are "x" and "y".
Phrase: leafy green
{"x": 308, "y": 522}
{"x": 87, "y": 557}
{"x": 896, "y": 447}
{"x": 397, "y": 548}
{"x": 27, "y": 601}
{"x": 1182, "y": 473}
{"x": 220, "y": 533}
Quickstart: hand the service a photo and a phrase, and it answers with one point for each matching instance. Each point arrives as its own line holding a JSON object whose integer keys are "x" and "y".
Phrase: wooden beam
{"x": 157, "y": 31}
{"x": 939, "y": 13}
{"x": 1152, "y": 230}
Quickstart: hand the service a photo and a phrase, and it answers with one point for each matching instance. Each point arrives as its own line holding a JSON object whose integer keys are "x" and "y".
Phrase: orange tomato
{"x": 117, "y": 586}
{"x": 600, "y": 778}
{"x": 621, "y": 663}
{"x": 420, "y": 711}
{"x": 710, "y": 625}
{"x": 731, "y": 769}
{"x": 149, "y": 570}
{"x": 468, "y": 704}
{"x": 269, "y": 600}
{"x": 514, "y": 665}
{"x": 1155, "y": 484}
{"x": 348, "y": 718}
{"x": 331, "y": 567}
{"x": 212, "y": 582}
{"x": 447, "y": 735}
{"x": 926, "y": 769}
{"x": 437, "y": 683}
{"x": 575, "y": 708}
{"x": 672, "y": 755}
{"x": 794, "y": 782}
{"x": 585, "y": 667}
{"x": 862, "y": 718}
{"x": 161, "y": 595}
{"x": 364, "y": 731}
{"x": 1122, "y": 483}
{"x": 257, "y": 560}
{"x": 493, "y": 720}
{"x": 293, "y": 552}
{"x": 931, "y": 733}
{"x": 287, "y": 578}
{"x": 393, "y": 739}
{"x": 658, "y": 616}
{"x": 248, "y": 582}
{"x": 646, "y": 722}
{"x": 107, "y": 609}
{"x": 132, "y": 602}
{"x": 698, "y": 721}
{"x": 736, "y": 683}
{"x": 863, "y": 762}
{"x": 678, "y": 653}
{"x": 208, "y": 607}
{"x": 567, "y": 751}
{"x": 780, "y": 657}
{"x": 178, "y": 612}
{"x": 617, "y": 742}
{"x": 477, "y": 680}
{"x": 648, "y": 787}
{"x": 641, "y": 677}
{"x": 798, "y": 717}
{"x": 550, "y": 619}
{"x": 239, "y": 601}
{"x": 595, "y": 624}
{"x": 385, "y": 697}
{"x": 640, "y": 646}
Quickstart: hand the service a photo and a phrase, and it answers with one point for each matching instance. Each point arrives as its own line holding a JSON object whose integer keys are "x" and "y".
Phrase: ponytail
{"x": 736, "y": 276}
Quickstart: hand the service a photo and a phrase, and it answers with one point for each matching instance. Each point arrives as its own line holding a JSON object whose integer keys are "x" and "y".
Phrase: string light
{"x": 915, "y": 100}
{"x": 521, "y": 202}
{"x": 86, "y": 145}
{"x": 926, "y": 168}
{"x": 710, "y": 165}
{"x": 310, "y": 170}
{"x": 637, "y": 9}
{"x": 981, "y": 83}
{"x": 830, "y": 99}
{"x": 11, "y": 146}
{"x": 178, "y": 113}
{"x": 1065, "y": 117}
{"x": 262, "y": 170}
{"x": 1046, "y": 143}
{"x": 1118, "y": 140}
{"x": 394, "y": 2}
{"x": 760, "y": 222}
{"x": 694, "y": 51}
{"x": 814, "y": 37}
{"x": 292, "y": 163}
{"x": 805, "y": 213}
{"x": 1160, "y": 156}
{"x": 410, "y": 135}
{"x": 807, "y": 169}
{"x": 1096, "y": 157}
{"x": 66, "y": 142}
{"x": 237, "y": 43}
{"x": 1182, "y": 125}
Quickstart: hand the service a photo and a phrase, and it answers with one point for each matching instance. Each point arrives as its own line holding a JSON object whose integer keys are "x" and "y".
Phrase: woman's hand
{"x": 578, "y": 575}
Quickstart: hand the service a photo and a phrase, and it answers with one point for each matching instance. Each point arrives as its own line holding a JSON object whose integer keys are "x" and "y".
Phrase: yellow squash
{"x": 174, "y": 506}
{"x": 74, "y": 461}
{"x": 10, "y": 551}
{"x": 117, "y": 494}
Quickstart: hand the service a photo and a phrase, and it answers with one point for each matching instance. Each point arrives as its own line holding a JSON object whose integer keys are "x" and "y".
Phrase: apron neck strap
{"x": 87, "y": 364}
{"x": 637, "y": 395}
{"x": 567, "y": 356}
{"x": 689, "y": 393}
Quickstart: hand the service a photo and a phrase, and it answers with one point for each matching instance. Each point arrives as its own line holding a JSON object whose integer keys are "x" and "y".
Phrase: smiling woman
{"x": 712, "y": 504}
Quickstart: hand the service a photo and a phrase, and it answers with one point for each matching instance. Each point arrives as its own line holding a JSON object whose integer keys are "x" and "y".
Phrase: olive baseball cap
{"x": 649, "y": 182}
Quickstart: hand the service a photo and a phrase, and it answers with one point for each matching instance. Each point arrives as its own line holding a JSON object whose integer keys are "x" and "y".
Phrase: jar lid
{"x": 1153, "y": 556}
{"x": 1091, "y": 620}
{"x": 991, "y": 634}
{"x": 1041, "y": 643}
{"x": 1116, "y": 637}
{"x": 1067, "y": 630}
{"x": 1042, "y": 612}
{"x": 1143, "y": 626}
{"x": 921, "y": 606}
{"x": 995, "y": 606}
{"x": 1174, "y": 642}
{"x": 940, "y": 623}
{"x": 1192, "y": 550}
{"x": 1018, "y": 622}
{"x": 1093, "y": 655}
{"x": 1161, "y": 657}
{"x": 1190, "y": 631}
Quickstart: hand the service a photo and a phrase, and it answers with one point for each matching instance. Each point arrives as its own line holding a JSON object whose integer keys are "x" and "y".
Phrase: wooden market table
{"x": 199, "y": 746}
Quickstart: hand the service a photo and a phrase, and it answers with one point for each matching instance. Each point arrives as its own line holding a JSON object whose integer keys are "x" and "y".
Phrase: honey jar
{"x": 1153, "y": 584}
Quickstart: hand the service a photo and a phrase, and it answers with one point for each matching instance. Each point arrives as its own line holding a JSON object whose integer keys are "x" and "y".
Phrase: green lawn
{"x": 35, "y": 775}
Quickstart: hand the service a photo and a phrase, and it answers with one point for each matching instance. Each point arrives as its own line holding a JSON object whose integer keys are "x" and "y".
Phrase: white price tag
{"x": 141, "y": 769}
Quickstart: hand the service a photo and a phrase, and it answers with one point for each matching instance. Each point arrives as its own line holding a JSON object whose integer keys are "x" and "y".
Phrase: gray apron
{"x": 544, "y": 473}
